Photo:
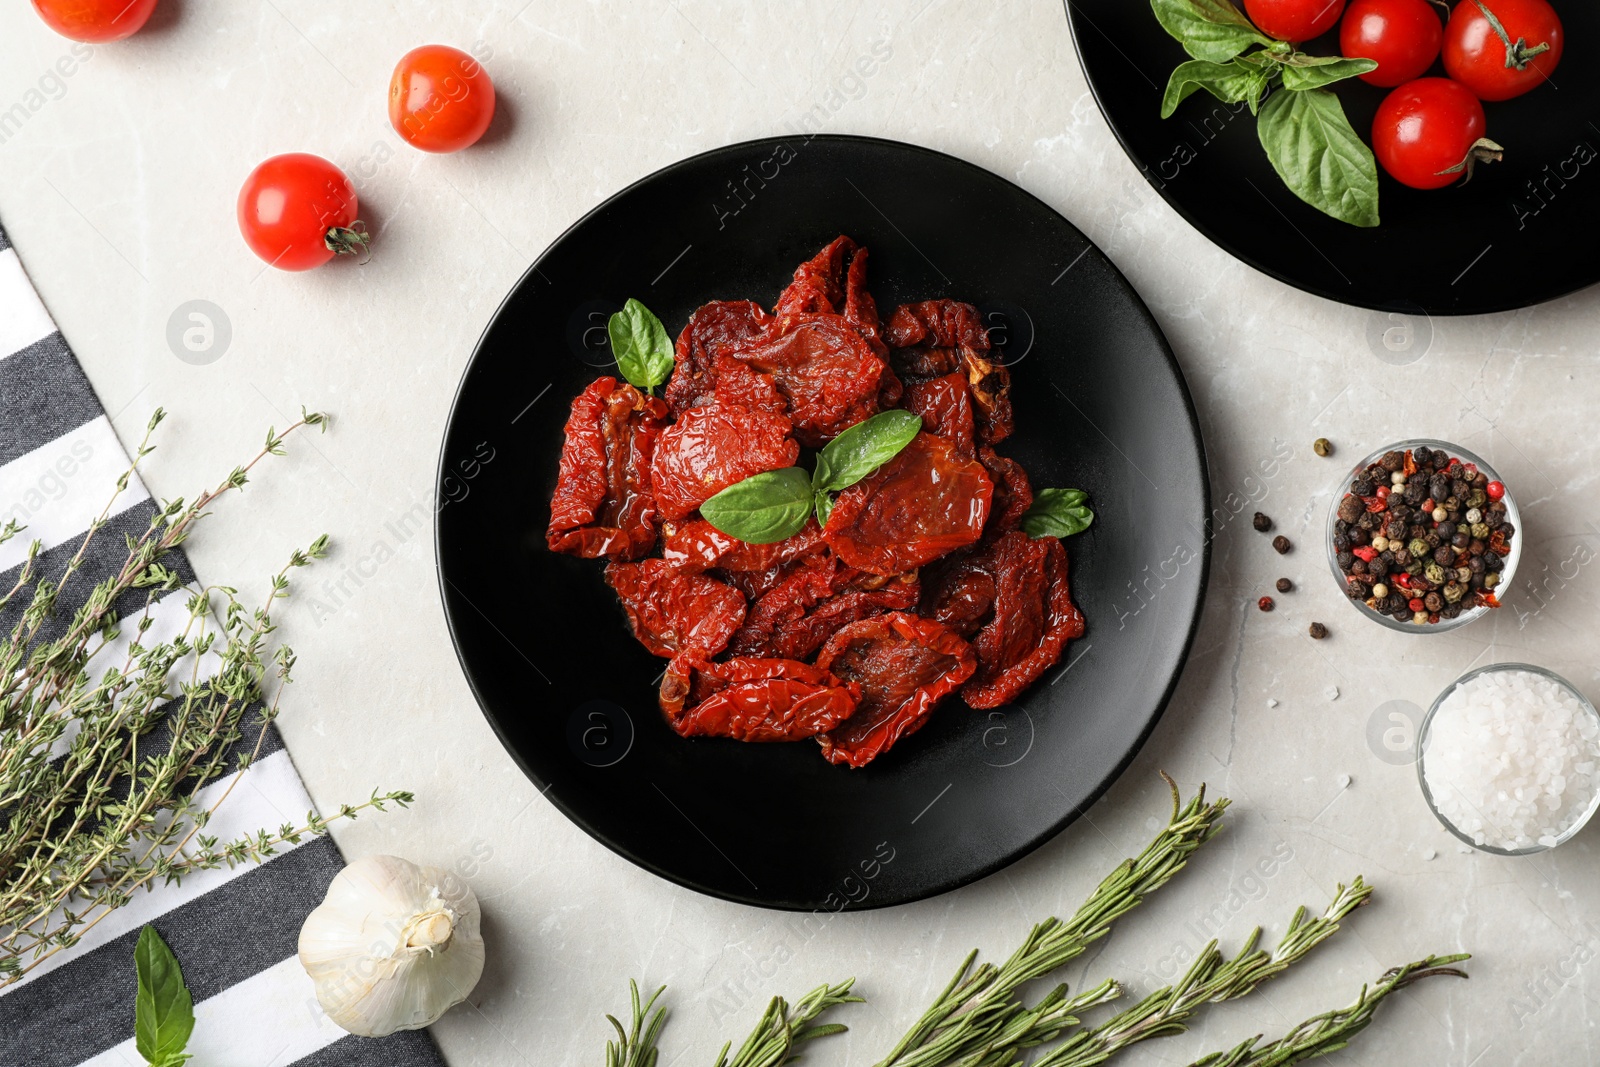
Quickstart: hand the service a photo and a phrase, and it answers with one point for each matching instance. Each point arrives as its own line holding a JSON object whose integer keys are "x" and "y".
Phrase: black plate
{"x": 1100, "y": 405}
{"x": 1521, "y": 232}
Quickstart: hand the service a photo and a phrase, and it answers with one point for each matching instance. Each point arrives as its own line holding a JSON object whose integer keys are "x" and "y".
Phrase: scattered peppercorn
{"x": 1285, "y": 585}
{"x": 1318, "y": 631}
{"x": 1419, "y": 536}
{"x": 1261, "y": 523}
{"x": 1282, "y": 544}
{"x": 1265, "y": 603}
{"x": 1322, "y": 446}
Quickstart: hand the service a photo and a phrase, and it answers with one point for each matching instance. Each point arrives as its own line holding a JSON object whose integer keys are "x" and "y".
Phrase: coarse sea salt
{"x": 1511, "y": 759}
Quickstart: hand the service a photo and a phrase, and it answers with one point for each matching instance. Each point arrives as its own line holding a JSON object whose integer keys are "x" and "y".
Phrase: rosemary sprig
{"x": 773, "y": 1042}
{"x": 977, "y": 1021}
{"x": 1211, "y": 979}
{"x": 91, "y": 809}
{"x": 1333, "y": 1030}
{"x": 636, "y": 1046}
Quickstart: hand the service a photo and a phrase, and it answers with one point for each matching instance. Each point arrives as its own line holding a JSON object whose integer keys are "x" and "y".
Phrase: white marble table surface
{"x": 118, "y": 191}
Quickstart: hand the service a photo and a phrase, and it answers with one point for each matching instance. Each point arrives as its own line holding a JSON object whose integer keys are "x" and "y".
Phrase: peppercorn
{"x": 1392, "y": 461}
{"x": 1454, "y": 591}
{"x": 1285, "y": 585}
{"x": 1281, "y": 544}
{"x": 1356, "y": 590}
{"x": 1402, "y": 557}
{"x": 1341, "y": 542}
{"x": 1480, "y": 531}
{"x": 1433, "y": 602}
{"x": 1358, "y": 536}
{"x": 1445, "y": 530}
{"x": 1318, "y": 631}
{"x": 1396, "y": 530}
{"x": 1492, "y": 563}
{"x": 1346, "y": 560}
{"x": 1422, "y": 455}
{"x": 1490, "y": 581}
{"x": 1322, "y": 446}
{"x": 1443, "y": 554}
{"x": 1434, "y": 573}
{"x": 1265, "y": 603}
{"x": 1496, "y": 490}
{"x": 1507, "y": 529}
{"x": 1351, "y": 508}
{"x": 1461, "y": 539}
{"x": 1415, "y": 493}
{"x": 1362, "y": 486}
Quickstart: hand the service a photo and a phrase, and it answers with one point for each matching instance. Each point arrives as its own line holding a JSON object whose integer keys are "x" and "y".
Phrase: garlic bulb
{"x": 392, "y": 946}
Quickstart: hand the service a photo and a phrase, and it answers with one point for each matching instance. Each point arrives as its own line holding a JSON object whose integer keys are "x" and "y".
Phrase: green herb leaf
{"x": 1232, "y": 82}
{"x": 1301, "y": 72}
{"x": 764, "y": 508}
{"x": 863, "y": 448}
{"x": 640, "y": 344}
{"x": 824, "y": 506}
{"x": 1057, "y": 513}
{"x": 163, "y": 1011}
{"x": 1212, "y": 30}
{"x": 1319, "y": 157}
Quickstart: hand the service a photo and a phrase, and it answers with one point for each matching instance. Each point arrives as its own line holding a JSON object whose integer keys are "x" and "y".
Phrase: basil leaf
{"x": 640, "y": 344}
{"x": 1301, "y": 72}
{"x": 1212, "y": 30}
{"x": 1058, "y": 513}
{"x": 1231, "y": 82}
{"x": 163, "y": 1014}
{"x": 764, "y": 508}
{"x": 1319, "y": 157}
{"x": 824, "y": 506}
{"x": 863, "y": 448}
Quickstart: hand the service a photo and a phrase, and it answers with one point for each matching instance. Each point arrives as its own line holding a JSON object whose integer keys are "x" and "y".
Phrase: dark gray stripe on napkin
{"x": 405, "y": 1046}
{"x": 43, "y": 395}
{"x": 103, "y": 559}
{"x": 222, "y": 938}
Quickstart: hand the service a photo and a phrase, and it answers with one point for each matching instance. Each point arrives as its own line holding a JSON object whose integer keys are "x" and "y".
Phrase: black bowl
{"x": 1100, "y": 405}
{"x": 1519, "y": 233}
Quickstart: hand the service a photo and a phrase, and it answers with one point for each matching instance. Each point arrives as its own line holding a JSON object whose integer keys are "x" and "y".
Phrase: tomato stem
{"x": 1517, "y": 52}
{"x": 349, "y": 240}
{"x": 1483, "y": 150}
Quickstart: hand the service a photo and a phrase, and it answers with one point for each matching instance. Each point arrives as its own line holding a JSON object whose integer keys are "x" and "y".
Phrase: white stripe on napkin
{"x": 25, "y": 320}
{"x": 268, "y": 795}
{"x": 59, "y": 488}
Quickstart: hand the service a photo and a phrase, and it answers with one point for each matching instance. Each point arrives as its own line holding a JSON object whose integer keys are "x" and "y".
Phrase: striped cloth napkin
{"x": 234, "y": 931}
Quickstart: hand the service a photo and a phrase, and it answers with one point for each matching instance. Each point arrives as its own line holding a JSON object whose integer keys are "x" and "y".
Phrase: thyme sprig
{"x": 1333, "y": 1030}
{"x": 92, "y": 806}
{"x": 1211, "y": 979}
{"x": 780, "y": 1031}
{"x": 978, "y": 1021}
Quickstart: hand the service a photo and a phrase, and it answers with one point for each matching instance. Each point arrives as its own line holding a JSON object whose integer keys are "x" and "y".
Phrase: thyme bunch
{"x": 1333, "y": 1030}
{"x": 102, "y": 764}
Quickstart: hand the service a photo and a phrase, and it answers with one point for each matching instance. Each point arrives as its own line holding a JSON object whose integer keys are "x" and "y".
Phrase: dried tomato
{"x": 804, "y": 609}
{"x": 602, "y": 505}
{"x": 1033, "y": 619}
{"x": 927, "y": 501}
{"x": 1013, "y": 494}
{"x": 673, "y": 612}
{"x": 754, "y": 699}
{"x": 697, "y": 545}
{"x": 718, "y": 327}
{"x": 959, "y": 592}
{"x": 946, "y": 408}
{"x": 826, "y": 370}
{"x": 904, "y": 665}
{"x": 936, "y": 323}
{"x": 711, "y": 447}
{"x": 819, "y": 282}
{"x": 938, "y": 337}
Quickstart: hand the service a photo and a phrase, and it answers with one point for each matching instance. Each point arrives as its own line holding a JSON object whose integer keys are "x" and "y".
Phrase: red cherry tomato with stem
{"x": 440, "y": 98}
{"x": 1502, "y": 48}
{"x": 95, "y": 21}
{"x": 297, "y": 211}
{"x": 1430, "y": 132}
{"x": 1403, "y": 36}
{"x": 1294, "y": 20}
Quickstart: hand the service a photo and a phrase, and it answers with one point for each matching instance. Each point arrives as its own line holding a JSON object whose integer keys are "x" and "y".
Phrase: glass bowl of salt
{"x": 1509, "y": 759}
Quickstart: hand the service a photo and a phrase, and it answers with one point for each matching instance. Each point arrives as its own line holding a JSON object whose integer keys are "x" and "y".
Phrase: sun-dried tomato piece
{"x": 826, "y": 370}
{"x": 945, "y": 407}
{"x": 711, "y": 447}
{"x": 938, "y": 337}
{"x": 904, "y": 665}
{"x": 1013, "y": 495}
{"x": 602, "y": 505}
{"x": 754, "y": 699}
{"x": 741, "y": 384}
{"x": 958, "y": 592}
{"x": 805, "y": 608}
{"x": 860, "y": 310}
{"x": 1032, "y": 619}
{"x": 696, "y": 545}
{"x": 673, "y": 612}
{"x": 716, "y": 328}
{"x": 923, "y": 503}
{"x": 819, "y": 283}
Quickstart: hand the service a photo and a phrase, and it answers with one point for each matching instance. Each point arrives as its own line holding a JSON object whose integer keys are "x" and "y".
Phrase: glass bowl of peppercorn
{"x": 1422, "y": 535}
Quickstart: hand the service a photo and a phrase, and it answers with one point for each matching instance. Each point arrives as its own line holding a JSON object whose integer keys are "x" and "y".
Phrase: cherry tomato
{"x": 1294, "y": 20}
{"x": 1402, "y": 35}
{"x": 297, "y": 211}
{"x": 95, "y": 21}
{"x": 1429, "y": 132}
{"x": 440, "y": 98}
{"x": 1497, "y": 63}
